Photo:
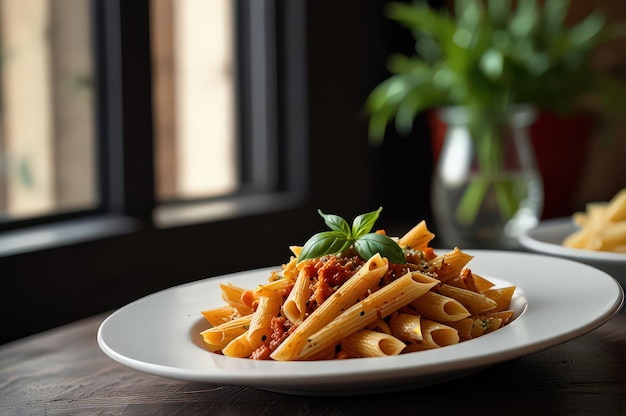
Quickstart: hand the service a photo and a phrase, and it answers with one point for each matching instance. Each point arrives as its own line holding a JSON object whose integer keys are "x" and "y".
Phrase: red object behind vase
{"x": 560, "y": 144}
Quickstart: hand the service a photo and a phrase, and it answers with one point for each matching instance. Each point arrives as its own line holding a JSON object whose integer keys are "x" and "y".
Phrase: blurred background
{"x": 145, "y": 144}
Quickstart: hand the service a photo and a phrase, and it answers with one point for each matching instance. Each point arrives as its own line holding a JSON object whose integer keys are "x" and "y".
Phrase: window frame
{"x": 126, "y": 187}
{"x": 91, "y": 262}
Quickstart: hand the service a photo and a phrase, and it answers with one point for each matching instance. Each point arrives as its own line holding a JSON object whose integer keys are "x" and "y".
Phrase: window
{"x": 194, "y": 78}
{"x": 47, "y": 141}
{"x": 85, "y": 98}
{"x": 136, "y": 227}
{"x": 215, "y": 102}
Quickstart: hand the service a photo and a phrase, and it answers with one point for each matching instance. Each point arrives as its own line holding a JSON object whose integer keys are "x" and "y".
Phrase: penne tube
{"x": 479, "y": 283}
{"x": 486, "y": 323}
{"x": 479, "y": 325}
{"x": 463, "y": 328}
{"x": 217, "y": 337}
{"x": 295, "y": 306}
{"x": 239, "y": 347}
{"x": 296, "y": 250}
{"x": 380, "y": 326}
{"x": 474, "y": 302}
{"x": 289, "y": 270}
{"x": 436, "y": 335}
{"x": 578, "y": 239}
{"x": 502, "y": 296}
{"x": 366, "y": 343}
{"x": 218, "y": 316}
{"x": 233, "y": 296}
{"x": 580, "y": 218}
{"x": 438, "y": 307}
{"x": 610, "y": 237}
{"x": 379, "y": 304}
{"x": 276, "y": 288}
{"x": 616, "y": 209}
{"x": 260, "y": 330}
{"x": 357, "y": 287}
{"x": 406, "y": 327}
{"x": 448, "y": 266}
{"x": 602, "y": 227}
{"x": 596, "y": 210}
{"x": 506, "y": 315}
{"x": 327, "y": 354}
{"x": 417, "y": 238}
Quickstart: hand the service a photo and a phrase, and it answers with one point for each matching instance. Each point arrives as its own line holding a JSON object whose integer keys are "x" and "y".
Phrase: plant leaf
{"x": 369, "y": 244}
{"x": 363, "y": 223}
{"x": 336, "y": 223}
{"x": 321, "y": 244}
{"x": 582, "y": 35}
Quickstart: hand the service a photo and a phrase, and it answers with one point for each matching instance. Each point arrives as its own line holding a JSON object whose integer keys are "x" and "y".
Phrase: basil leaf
{"x": 336, "y": 223}
{"x": 369, "y": 244}
{"x": 363, "y": 223}
{"x": 327, "y": 242}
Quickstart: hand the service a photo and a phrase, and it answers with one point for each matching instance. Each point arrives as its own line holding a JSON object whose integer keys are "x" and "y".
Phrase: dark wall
{"x": 349, "y": 43}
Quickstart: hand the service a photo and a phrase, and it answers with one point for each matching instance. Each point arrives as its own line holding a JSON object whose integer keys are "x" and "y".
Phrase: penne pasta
{"x": 217, "y": 337}
{"x": 435, "y": 335}
{"x": 448, "y": 266}
{"x": 616, "y": 209}
{"x": 218, "y": 316}
{"x": 406, "y": 327}
{"x": 483, "y": 324}
{"x": 478, "y": 325}
{"x": 295, "y": 305}
{"x": 609, "y": 237}
{"x": 362, "y": 282}
{"x": 380, "y": 326}
{"x": 381, "y": 303}
{"x": 602, "y": 227}
{"x": 577, "y": 239}
{"x": 290, "y": 270}
{"x": 233, "y": 296}
{"x": 439, "y": 308}
{"x": 474, "y": 302}
{"x": 502, "y": 297}
{"x": 275, "y": 288}
{"x": 259, "y": 330}
{"x": 366, "y": 343}
{"x": 478, "y": 283}
{"x": 463, "y": 328}
{"x": 417, "y": 238}
{"x": 239, "y": 347}
{"x": 341, "y": 305}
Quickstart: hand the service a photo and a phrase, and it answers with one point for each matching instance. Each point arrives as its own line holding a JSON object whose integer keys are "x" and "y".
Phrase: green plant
{"x": 358, "y": 237}
{"x": 486, "y": 56}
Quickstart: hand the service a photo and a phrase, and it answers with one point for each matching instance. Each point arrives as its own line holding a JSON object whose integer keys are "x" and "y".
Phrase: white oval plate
{"x": 556, "y": 300}
{"x": 547, "y": 237}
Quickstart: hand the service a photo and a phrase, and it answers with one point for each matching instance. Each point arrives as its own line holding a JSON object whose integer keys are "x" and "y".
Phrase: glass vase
{"x": 486, "y": 188}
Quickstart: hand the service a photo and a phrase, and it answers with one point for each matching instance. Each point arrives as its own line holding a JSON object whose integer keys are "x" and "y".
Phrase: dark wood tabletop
{"x": 63, "y": 372}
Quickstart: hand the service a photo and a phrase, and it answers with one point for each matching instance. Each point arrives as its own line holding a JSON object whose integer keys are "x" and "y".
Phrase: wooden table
{"x": 62, "y": 372}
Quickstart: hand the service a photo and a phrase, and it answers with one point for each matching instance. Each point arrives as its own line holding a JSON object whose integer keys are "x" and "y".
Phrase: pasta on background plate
{"x": 602, "y": 226}
{"x": 351, "y": 293}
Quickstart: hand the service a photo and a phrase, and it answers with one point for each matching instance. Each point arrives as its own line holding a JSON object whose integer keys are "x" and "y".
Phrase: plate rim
{"x": 318, "y": 381}
{"x": 562, "y": 227}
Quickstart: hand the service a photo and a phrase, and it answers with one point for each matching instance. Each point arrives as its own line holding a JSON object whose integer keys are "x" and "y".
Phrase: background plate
{"x": 547, "y": 238}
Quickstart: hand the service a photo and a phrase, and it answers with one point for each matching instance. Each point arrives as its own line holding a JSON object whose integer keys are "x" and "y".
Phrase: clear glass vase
{"x": 486, "y": 188}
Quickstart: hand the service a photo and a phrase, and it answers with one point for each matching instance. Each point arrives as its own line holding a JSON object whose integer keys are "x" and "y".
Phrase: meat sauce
{"x": 326, "y": 275}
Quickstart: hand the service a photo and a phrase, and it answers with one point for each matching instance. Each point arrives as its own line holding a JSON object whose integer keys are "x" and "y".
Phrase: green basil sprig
{"x": 342, "y": 236}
